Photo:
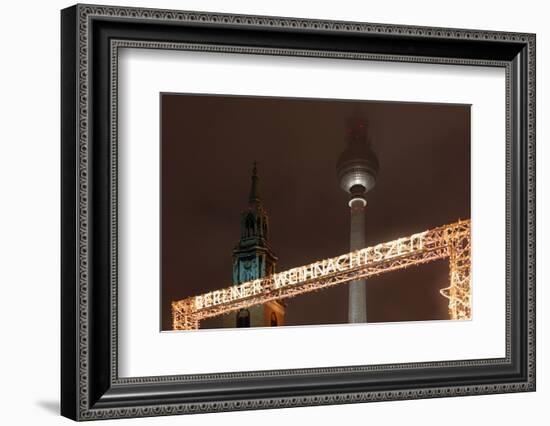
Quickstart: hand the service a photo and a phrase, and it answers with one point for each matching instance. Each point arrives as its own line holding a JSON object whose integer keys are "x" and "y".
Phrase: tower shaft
{"x": 357, "y": 297}
{"x": 357, "y": 169}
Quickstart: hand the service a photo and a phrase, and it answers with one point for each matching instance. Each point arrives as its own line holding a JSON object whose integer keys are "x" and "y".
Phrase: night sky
{"x": 209, "y": 144}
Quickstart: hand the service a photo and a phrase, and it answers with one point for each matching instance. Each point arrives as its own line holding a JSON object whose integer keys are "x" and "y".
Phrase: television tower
{"x": 357, "y": 169}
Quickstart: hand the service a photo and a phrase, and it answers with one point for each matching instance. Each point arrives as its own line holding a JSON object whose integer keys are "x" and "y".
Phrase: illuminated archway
{"x": 445, "y": 242}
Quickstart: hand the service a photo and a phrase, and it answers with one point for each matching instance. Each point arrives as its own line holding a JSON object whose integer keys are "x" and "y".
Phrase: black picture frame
{"x": 90, "y": 386}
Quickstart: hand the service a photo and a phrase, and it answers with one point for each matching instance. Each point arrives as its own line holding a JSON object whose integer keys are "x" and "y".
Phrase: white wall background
{"x": 30, "y": 228}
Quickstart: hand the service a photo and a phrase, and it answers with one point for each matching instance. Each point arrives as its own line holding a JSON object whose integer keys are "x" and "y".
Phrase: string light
{"x": 448, "y": 241}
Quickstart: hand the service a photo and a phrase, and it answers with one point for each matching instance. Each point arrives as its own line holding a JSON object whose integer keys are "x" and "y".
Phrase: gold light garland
{"x": 449, "y": 241}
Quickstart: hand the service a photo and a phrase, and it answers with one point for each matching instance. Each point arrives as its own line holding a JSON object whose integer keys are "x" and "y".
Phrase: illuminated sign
{"x": 348, "y": 261}
{"x": 449, "y": 241}
{"x": 320, "y": 269}
{"x": 236, "y": 292}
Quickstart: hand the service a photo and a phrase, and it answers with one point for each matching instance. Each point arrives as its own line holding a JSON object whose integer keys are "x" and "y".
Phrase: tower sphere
{"x": 357, "y": 166}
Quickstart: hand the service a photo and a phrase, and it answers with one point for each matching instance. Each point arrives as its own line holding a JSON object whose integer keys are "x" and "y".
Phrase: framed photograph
{"x": 263, "y": 212}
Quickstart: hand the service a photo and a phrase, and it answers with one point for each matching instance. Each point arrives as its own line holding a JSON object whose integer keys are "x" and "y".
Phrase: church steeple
{"x": 253, "y": 259}
{"x": 252, "y": 256}
{"x": 254, "y": 220}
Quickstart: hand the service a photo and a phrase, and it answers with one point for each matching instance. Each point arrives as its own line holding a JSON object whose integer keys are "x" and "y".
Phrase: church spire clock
{"x": 253, "y": 258}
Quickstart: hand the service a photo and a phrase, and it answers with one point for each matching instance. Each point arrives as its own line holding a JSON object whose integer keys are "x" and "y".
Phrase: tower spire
{"x": 253, "y": 259}
{"x": 357, "y": 130}
{"x": 254, "y": 196}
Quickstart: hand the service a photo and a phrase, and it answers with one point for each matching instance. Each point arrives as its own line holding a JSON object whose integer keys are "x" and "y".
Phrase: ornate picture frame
{"x": 91, "y": 38}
